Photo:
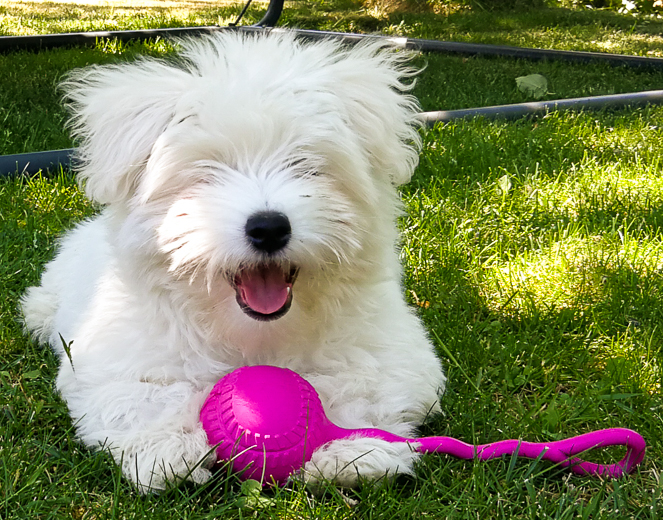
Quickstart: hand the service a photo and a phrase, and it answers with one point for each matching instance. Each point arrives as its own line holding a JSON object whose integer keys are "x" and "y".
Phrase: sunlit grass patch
{"x": 601, "y": 193}
{"x": 25, "y": 18}
{"x": 580, "y": 273}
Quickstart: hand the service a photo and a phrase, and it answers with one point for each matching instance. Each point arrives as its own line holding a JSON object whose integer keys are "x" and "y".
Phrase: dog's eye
{"x": 296, "y": 163}
{"x": 303, "y": 168}
{"x": 182, "y": 119}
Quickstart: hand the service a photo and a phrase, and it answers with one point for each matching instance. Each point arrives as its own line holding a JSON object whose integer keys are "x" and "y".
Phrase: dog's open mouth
{"x": 265, "y": 292}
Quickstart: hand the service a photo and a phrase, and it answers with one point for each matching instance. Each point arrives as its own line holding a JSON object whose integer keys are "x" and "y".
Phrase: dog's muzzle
{"x": 264, "y": 292}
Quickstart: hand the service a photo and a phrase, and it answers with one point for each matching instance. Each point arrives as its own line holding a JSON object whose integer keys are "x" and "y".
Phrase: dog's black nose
{"x": 268, "y": 231}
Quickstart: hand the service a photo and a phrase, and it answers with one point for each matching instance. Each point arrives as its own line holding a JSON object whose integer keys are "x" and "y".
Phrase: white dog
{"x": 250, "y": 218}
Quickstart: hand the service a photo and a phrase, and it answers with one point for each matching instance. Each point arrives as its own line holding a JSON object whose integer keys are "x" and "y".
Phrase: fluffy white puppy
{"x": 250, "y": 208}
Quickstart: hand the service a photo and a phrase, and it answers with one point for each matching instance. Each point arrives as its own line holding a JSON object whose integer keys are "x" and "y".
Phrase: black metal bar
{"x": 272, "y": 15}
{"x": 518, "y": 110}
{"x": 483, "y": 50}
{"x": 31, "y": 163}
{"x": 476, "y": 49}
{"x": 47, "y": 41}
{"x": 241, "y": 14}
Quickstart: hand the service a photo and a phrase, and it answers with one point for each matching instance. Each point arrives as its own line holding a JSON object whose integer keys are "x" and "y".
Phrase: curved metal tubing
{"x": 48, "y": 41}
{"x": 518, "y": 110}
{"x": 272, "y": 15}
{"x": 32, "y": 163}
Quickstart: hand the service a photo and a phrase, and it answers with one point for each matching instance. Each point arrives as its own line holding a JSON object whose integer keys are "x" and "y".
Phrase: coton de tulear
{"x": 249, "y": 218}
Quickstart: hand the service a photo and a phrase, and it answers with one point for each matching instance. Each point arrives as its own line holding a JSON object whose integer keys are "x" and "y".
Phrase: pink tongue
{"x": 264, "y": 289}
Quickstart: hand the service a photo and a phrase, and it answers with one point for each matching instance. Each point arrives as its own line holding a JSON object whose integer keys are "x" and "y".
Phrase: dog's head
{"x": 251, "y": 162}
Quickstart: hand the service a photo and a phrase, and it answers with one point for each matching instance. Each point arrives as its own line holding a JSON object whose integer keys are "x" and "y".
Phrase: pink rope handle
{"x": 273, "y": 432}
{"x": 562, "y": 452}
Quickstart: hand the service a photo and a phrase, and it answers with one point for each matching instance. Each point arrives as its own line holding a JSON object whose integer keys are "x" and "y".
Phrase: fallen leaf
{"x": 534, "y": 85}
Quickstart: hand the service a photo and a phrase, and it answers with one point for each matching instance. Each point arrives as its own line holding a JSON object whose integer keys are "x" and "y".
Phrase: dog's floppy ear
{"x": 118, "y": 112}
{"x": 375, "y": 77}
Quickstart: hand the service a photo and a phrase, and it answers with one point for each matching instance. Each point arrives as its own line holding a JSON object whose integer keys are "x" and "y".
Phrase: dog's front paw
{"x": 169, "y": 460}
{"x": 346, "y": 461}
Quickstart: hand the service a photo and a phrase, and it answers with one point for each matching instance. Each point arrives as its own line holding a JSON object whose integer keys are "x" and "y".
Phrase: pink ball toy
{"x": 268, "y": 421}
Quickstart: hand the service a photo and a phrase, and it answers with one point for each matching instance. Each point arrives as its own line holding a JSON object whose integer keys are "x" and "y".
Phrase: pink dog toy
{"x": 268, "y": 421}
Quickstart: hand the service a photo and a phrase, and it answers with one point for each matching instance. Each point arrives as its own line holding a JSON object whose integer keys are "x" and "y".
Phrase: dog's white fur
{"x": 181, "y": 155}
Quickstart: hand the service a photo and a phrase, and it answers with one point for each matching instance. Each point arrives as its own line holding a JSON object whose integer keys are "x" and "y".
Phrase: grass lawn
{"x": 533, "y": 251}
